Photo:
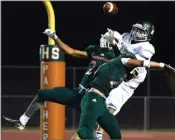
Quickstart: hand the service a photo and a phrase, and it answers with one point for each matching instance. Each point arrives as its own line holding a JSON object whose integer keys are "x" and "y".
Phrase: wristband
{"x": 162, "y": 65}
{"x": 146, "y": 63}
{"x": 55, "y": 36}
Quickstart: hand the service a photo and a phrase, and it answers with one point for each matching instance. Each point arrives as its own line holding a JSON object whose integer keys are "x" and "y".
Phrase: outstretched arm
{"x": 141, "y": 63}
{"x": 67, "y": 49}
{"x": 146, "y": 63}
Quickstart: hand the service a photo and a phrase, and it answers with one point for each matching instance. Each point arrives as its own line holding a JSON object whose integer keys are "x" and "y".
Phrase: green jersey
{"x": 111, "y": 74}
{"x": 97, "y": 57}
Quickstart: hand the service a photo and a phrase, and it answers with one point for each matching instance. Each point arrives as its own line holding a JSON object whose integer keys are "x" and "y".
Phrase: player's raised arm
{"x": 67, "y": 49}
{"x": 149, "y": 64}
{"x": 114, "y": 38}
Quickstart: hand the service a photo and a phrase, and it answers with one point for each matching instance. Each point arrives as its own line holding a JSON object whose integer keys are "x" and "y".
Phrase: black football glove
{"x": 168, "y": 69}
{"x": 131, "y": 75}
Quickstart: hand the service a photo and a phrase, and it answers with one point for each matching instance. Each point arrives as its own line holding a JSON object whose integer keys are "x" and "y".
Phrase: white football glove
{"x": 109, "y": 37}
{"x": 110, "y": 32}
{"x": 50, "y": 33}
{"x": 168, "y": 69}
{"x": 114, "y": 37}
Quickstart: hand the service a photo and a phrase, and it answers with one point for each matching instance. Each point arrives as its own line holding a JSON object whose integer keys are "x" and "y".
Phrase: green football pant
{"x": 61, "y": 95}
{"x": 93, "y": 108}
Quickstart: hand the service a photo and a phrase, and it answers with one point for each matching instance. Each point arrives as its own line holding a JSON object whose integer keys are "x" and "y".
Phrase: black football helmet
{"x": 142, "y": 31}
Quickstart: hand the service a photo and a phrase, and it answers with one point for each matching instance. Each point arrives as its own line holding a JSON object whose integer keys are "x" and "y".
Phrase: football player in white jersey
{"x": 136, "y": 42}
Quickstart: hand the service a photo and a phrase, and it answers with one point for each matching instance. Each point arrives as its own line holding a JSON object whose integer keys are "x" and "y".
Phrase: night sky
{"x": 79, "y": 24}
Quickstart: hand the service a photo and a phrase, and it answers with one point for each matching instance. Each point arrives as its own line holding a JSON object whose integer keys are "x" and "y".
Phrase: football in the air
{"x": 110, "y": 8}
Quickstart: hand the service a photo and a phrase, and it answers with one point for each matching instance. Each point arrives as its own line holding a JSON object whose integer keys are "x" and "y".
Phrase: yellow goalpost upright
{"x": 52, "y": 73}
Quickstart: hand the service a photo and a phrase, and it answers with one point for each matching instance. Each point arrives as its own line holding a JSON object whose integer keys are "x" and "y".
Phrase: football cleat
{"x": 14, "y": 123}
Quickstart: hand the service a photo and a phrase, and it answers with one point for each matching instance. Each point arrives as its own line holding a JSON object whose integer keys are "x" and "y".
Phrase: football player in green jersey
{"x": 107, "y": 77}
{"x": 98, "y": 55}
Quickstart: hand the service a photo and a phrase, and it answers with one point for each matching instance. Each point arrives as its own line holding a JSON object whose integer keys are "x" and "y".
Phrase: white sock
{"x": 24, "y": 119}
{"x": 99, "y": 135}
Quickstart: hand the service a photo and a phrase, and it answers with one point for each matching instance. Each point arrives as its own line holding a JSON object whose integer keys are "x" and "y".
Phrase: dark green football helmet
{"x": 142, "y": 31}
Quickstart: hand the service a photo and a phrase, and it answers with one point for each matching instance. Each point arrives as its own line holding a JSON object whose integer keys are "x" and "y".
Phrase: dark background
{"x": 79, "y": 24}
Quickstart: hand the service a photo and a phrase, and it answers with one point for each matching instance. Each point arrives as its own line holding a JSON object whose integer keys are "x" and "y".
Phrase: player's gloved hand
{"x": 168, "y": 69}
{"x": 114, "y": 37}
{"x": 50, "y": 33}
{"x": 109, "y": 36}
{"x": 110, "y": 32}
{"x": 132, "y": 74}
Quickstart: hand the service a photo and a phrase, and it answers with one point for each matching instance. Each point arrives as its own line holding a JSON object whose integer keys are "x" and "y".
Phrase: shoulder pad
{"x": 125, "y": 34}
{"x": 146, "y": 46}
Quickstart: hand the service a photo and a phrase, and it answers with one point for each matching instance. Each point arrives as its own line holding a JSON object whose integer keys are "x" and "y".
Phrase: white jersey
{"x": 142, "y": 51}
